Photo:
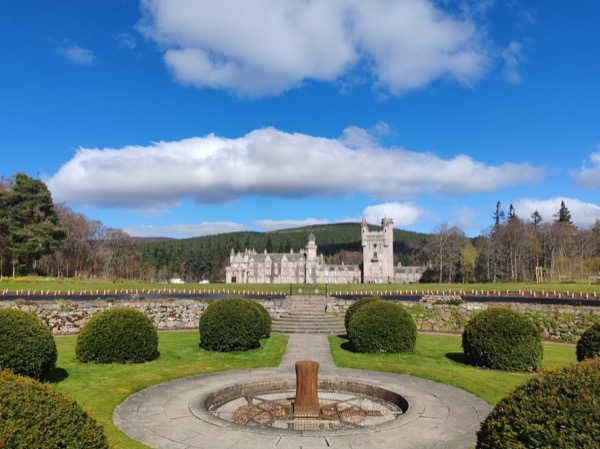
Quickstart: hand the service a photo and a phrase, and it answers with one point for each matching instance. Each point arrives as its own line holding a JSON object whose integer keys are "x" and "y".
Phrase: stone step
{"x": 308, "y": 330}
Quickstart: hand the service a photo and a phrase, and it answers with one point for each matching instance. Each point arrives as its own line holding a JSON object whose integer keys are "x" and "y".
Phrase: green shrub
{"x": 27, "y": 346}
{"x": 266, "y": 318}
{"x": 231, "y": 325}
{"x": 381, "y": 326}
{"x": 122, "y": 335}
{"x": 557, "y": 409}
{"x": 354, "y": 307}
{"x": 588, "y": 345}
{"x": 503, "y": 339}
{"x": 34, "y": 415}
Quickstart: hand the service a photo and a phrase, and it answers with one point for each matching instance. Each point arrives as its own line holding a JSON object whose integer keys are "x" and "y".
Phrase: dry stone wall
{"x": 444, "y": 314}
{"x": 450, "y": 314}
{"x": 65, "y": 317}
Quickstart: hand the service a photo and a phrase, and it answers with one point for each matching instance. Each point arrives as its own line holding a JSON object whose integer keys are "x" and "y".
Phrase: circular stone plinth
{"x": 168, "y": 416}
{"x": 342, "y": 406}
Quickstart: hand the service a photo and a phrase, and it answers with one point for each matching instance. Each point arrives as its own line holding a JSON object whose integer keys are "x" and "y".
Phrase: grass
{"x": 440, "y": 358}
{"x": 100, "y": 388}
{"x": 65, "y": 285}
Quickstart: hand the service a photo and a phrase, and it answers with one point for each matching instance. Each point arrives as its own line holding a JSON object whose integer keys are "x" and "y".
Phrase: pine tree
{"x": 563, "y": 215}
{"x": 537, "y": 218}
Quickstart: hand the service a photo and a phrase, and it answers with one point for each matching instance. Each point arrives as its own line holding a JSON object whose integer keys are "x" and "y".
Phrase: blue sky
{"x": 184, "y": 118}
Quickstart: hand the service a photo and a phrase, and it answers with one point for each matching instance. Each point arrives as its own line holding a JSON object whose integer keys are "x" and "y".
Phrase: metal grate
{"x": 339, "y": 411}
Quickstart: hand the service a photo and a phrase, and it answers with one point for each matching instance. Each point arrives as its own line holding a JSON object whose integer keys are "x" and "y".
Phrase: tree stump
{"x": 306, "y": 404}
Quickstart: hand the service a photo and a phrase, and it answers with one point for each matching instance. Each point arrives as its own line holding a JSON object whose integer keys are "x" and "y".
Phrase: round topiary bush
{"x": 266, "y": 318}
{"x": 503, "y": 339}
{"x": 557, "y": 409}
{"x": 231, "y": 325}
{"x": 588, "y": 345}
{"x": 381, "y": 326}
{"x": 122, "y": 335}
{"x": 34, "y": 415}
{"x": 354, "y": 307}
{"x": 27, "y": 346}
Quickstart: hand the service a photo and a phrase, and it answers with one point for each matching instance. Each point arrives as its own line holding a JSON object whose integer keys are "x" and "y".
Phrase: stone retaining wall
{"x": 564, "y": 323}
{"x": 449, "y": 314}
{"x": 65, "y": 317}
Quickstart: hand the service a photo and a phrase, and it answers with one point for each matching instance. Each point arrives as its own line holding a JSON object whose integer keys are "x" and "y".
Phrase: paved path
{"x": 171, "y": 415}
{"x": 307, "y": 347}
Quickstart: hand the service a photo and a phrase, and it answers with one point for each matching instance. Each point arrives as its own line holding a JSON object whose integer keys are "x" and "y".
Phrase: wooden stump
{"x": 306, "y": 404}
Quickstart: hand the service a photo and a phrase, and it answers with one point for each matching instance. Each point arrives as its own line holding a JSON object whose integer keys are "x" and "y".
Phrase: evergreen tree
{"x": 29, "y": 222}
{"x": 511, "y": 212}
{"x": 563, "y": 215}
{"x": 536, "y": 218}
{"x": 498, "y": 214}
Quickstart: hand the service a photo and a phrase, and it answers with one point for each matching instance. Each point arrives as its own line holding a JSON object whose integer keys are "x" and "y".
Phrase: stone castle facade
{"x": 308, "y": 267}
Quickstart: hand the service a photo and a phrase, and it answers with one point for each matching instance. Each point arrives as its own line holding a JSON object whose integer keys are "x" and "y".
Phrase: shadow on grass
{"x": 347, "y": 346}
{"x": 458, "y": 357}
{"x": 57, "y": 375}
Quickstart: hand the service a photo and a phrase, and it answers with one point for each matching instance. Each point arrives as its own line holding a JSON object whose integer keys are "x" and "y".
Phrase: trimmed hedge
{"x": 557, "y": 409}
{"x": 381, "y": 326}
{"x": 231, "y": 325}
{"x": 27, "y": 346}
{"x": 354, "y": 307}
{"x": 266, "y": 318}
{"x": 503, "y": 339}
{"x": 588, "y": 345}
{"x": 122, "y": 335}
{"x": 34, "y": 415}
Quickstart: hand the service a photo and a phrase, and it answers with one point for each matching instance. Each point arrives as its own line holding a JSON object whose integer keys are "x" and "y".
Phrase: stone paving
{"x": 171, "y": 415}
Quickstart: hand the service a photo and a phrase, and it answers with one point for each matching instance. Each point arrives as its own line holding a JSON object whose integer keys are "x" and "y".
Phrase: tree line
{"x": 38, "y": 236}
{"x": 515, "y": 249}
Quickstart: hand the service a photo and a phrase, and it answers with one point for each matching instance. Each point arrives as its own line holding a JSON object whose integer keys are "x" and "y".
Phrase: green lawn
{"x": 440, "y": 358}
{"x": 65, "y": 285}
{"x": 100, "y": 388}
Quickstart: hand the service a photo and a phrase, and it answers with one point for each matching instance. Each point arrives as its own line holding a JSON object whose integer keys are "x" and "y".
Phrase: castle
{"x": 307, "y": 267}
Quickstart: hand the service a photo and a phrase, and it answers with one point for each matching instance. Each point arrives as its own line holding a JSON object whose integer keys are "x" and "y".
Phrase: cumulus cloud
{"x": 582, "y": 213}
{"x": 589, "y": 175}
{"x": 403, "y": 214}
{"x": 274, "y": 225}
{"x": 78, "y": 55}
{"x": 265, "y": 47}
{"x": 185, "y": 230}
{"x": 268, "y": 162}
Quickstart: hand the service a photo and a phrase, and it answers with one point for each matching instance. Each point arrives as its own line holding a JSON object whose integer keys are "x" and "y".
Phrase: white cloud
{"x": 274, "y": 225}
{"x": 403, "y": 214}
{"x": 126, "y": 40}
{"x": 265, "y": 47}
{"x": 268, "y": 162}
{"x": 184, "y": 230}
{"x": 512, "y": 57}
{"x": 583, "y": 214}
{"x": 78, "y": 55}
{"x": 589, "y": 176}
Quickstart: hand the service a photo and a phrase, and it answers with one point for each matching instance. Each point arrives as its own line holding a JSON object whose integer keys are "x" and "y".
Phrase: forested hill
{"x": 330, "y": 239}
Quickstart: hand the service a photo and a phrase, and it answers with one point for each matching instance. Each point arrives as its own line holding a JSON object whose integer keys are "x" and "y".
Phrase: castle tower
{"x": 311, "y": 259}
{"x": 378, "y": 252}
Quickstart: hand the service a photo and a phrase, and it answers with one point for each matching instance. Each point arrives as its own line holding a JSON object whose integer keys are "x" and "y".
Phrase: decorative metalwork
{"x": 339, "y": 410}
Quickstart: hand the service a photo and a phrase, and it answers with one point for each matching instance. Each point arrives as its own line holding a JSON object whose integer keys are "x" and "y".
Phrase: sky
{"x": 183, "y": 118}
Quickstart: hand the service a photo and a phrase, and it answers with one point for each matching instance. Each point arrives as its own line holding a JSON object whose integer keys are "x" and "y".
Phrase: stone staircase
{"x": 307, "y": 316}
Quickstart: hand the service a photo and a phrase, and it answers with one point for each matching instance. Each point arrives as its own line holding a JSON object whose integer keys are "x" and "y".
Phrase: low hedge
{"x": 231, "y": 325}
{"x": 34, "y": 415}
{"x": 503, "y": 339}
{"x": 558, "y": 409}
{"x": 266, "y": 318}
{"x": 381, "y": 326}
{"x": 27, "y": 346}
{"x": 354, "y": 307}
{"x": 588, "y": 345}
{"x": 122, "y": 335}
